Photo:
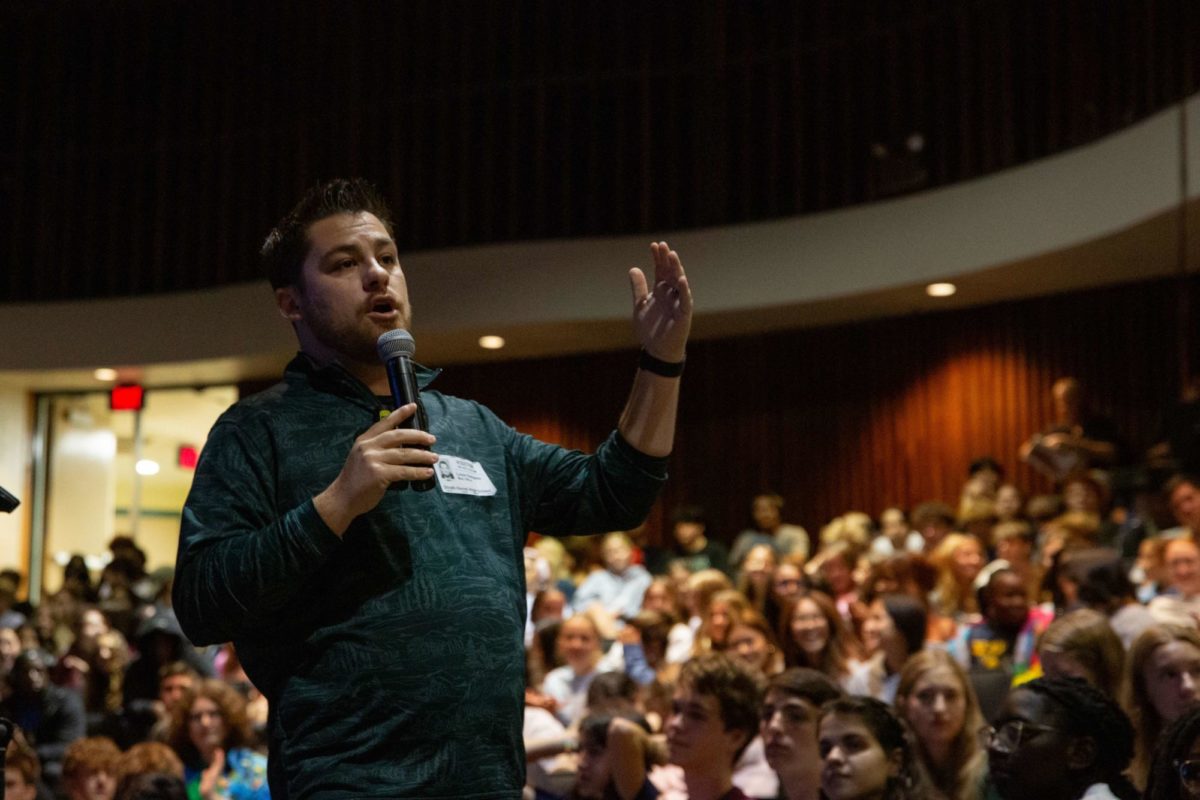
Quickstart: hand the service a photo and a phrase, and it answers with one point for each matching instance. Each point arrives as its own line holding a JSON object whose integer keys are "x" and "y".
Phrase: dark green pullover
{"x": 392, "y": 657}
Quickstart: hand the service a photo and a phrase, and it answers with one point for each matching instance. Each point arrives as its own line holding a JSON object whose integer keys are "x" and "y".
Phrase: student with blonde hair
{"x": 936, "y": 699}
{"x": 958, "y": 558}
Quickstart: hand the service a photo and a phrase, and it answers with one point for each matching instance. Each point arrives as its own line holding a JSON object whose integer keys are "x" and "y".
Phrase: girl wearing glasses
{"x": 1175, "y": 774}
{"x": 937, "y": 701}
{"x": 1060, "y": 739}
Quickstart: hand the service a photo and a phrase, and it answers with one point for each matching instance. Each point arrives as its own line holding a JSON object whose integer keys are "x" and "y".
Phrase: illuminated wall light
{"x": 491, "y": 342}
{"x": 146, "y": 467}
{"x": 105, "y": 374}
{"x": 940, "y": 289}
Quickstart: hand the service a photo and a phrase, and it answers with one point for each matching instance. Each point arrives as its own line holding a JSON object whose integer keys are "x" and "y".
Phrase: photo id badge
{"x": 459, "y": 476}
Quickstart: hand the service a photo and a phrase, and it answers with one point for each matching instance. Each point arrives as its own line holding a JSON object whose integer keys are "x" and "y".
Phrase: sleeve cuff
{"x": 651, "y": 465}
{"x": 317, "y": 535}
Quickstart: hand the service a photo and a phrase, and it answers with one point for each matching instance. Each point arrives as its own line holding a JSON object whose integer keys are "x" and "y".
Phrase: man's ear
{"x": 737, "y": 739}
{"x": 288, "y": 302}
{"x": 1081, "y": 752}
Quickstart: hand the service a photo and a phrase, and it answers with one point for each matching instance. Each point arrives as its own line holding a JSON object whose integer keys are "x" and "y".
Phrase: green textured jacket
{"x": 392, "y": 658}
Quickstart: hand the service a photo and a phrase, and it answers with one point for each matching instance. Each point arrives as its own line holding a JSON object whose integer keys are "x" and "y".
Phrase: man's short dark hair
{"x": 689, "y": 513}
{"x": 984, "y": 463}
{"x": 737, "y": 688}
{"x": 806, "y": 684}
{"x": 932, "y": 510}
{"x": 1180, "y": 479}
{"x": 287, "y": 245}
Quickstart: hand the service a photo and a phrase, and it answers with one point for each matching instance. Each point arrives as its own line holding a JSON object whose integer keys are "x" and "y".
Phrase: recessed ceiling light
{"x": 105, "y": 374}
{"x": 940, "y": 289}
{"x": 146, "y": 467}
{"x": 491, "y": 342}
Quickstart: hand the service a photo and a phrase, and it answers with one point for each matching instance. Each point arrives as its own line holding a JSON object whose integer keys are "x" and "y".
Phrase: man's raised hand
{"x": 662, "y": 313}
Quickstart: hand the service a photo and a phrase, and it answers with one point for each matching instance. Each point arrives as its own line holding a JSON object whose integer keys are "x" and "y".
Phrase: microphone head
{"x": 394, "y": 344}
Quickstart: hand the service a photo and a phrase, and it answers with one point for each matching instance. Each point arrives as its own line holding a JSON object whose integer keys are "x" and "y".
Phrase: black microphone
{"x": 396, "y": 349}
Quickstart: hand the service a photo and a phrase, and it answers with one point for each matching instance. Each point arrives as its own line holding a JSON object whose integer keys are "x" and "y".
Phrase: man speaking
{"x": 384, "y": 624}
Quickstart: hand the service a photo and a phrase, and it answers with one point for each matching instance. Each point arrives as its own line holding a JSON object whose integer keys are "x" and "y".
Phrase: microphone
{"x": 396, "y": 349}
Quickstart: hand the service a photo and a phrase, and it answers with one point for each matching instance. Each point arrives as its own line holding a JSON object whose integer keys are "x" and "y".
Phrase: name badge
{"x": 459, "y": 476}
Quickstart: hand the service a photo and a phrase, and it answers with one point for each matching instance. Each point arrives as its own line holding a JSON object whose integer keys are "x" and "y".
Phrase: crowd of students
{"x": 109, "y": 699}
{"x": 1011, "y": 648}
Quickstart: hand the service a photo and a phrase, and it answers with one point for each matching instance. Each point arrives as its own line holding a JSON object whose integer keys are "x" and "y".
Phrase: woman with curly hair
{"x": 936, "y": 699}
{"x": 814, "y": 635}
{"x": 1160, "y": 683}
{"x": 210, "y": 733}
{"x": 867, "y": 752}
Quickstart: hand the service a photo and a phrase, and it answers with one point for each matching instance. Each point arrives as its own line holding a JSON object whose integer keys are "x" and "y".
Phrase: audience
{"x": 629, "y": 670}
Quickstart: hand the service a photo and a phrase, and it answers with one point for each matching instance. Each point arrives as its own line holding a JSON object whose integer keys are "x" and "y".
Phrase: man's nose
{"x": 375, "y": 274}
{"x": 1188, "y": 683}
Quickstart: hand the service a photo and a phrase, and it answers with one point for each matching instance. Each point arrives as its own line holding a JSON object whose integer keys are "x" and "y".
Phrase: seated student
{"x": 615, "y": 755}
{"x": 1004, "y": 640}
{"x": 89, "y": 769}
{"x": 22, "y": 770}
{"x": 894, "y": 630}
{"x": 714, "y": 717}
{"x": 1175, "y": 773}
{"x": 789, "y": 729}
{"x": 578, "y": 644}
{"x": 935, "y": 698}
{"x": 752, "y": 640}
{"x": 618, "y": 588}
{"x": 867, "y": 753}
{"x": 50, "y": 716}
{"x": 1082, "y": 644}
{"x": 146, "y": 759}
{"x": 814, "y": 635}
{"x": 1180, "y": 605}
{"x": 154, "y": 786}
{"x": 1104, "y": 586}
{"x": 1162, "y": 680}
{"x": 1060, "y": 739}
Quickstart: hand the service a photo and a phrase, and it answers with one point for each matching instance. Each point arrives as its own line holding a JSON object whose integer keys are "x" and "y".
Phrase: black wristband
{"x": 667, "y": 369}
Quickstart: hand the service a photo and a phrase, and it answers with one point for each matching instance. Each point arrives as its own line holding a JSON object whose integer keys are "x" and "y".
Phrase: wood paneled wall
{"x": 868, "y": 415}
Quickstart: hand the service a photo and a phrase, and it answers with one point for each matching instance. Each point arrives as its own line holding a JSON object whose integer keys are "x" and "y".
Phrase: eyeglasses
{"x": 1189, "y": 774}
{"x": 1007, "y": 738}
